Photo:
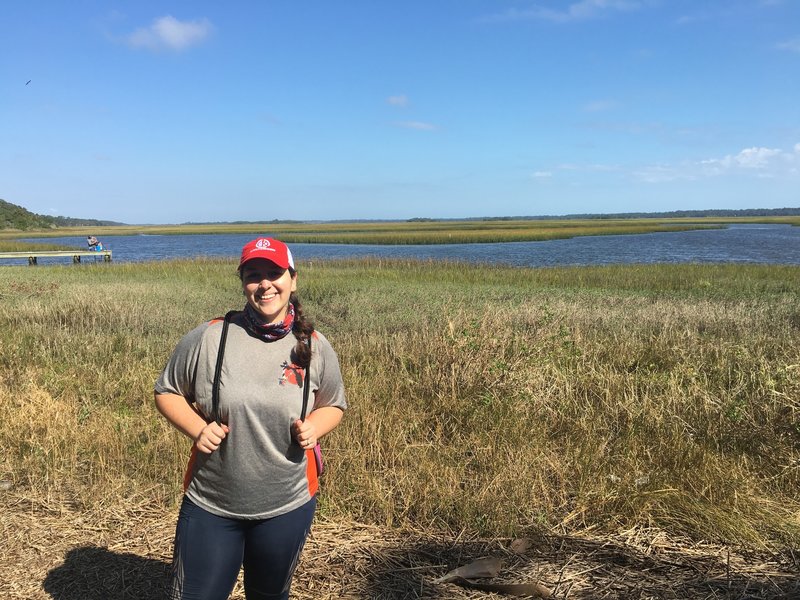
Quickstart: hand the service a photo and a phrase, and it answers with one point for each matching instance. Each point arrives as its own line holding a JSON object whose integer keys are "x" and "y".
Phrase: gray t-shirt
{"x": 258, "y": 471}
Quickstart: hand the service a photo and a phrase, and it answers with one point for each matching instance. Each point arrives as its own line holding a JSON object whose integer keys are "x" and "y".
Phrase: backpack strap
{"x": 218, "y": 370}
{"x": 306, "y": 383}
{"x": 317, "y": 450}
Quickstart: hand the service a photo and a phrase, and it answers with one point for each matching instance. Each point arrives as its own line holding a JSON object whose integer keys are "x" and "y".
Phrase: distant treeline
{"x": 675, "y": 214}
{"x": 693, "y": 214}
{"x": 272, "y": 222}
{"x": 16, "y": 217}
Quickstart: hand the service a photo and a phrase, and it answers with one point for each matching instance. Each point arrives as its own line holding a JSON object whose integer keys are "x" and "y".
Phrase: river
{"x": 750, "y": 243}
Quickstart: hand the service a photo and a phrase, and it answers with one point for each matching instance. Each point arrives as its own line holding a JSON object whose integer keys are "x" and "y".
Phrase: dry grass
{"x": 402, "y": 232}
{"x": 10, "y": 245}
{"x": 626, "y": 418}
{"x": 420, "y": 232}
{"x": 565, "y": 414}
{"x": 53, "y": 550}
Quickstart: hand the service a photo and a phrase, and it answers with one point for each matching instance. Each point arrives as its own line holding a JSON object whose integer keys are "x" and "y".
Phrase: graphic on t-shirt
{"x": 291, "y": 373}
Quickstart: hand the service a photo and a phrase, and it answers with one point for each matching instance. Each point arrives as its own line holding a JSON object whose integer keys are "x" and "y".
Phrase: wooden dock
{"x": 75, "y": 254}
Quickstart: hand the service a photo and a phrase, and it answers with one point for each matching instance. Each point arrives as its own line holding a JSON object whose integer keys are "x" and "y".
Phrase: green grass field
{"x": 10, "y": 245}
{"x": 416, "y": 232}
{"x": 483, "y": 399}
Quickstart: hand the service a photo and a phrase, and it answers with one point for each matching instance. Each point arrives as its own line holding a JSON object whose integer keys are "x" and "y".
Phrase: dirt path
{"x": 53, "y": 552}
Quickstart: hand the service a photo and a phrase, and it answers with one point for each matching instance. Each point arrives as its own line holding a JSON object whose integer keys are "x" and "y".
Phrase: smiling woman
{"x": 268, "y": 278}
{"x": 238, "y": 387}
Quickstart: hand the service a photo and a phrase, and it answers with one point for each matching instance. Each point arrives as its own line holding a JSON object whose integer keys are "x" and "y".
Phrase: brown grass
{"x": 636, "y": 422}
{"x": 55, "y": 550}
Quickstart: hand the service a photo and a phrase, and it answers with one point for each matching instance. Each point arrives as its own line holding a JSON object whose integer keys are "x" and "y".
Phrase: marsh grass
{"x": 487, "y": 399}
{"x": 402, "y": 232}
{"x": 10, "y": 245}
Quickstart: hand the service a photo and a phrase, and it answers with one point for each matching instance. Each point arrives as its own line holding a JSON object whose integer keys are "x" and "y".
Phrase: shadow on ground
{"x": 584, "y": 569}
{"x": 574, "y": 568}
{"x": 92, "y": 573}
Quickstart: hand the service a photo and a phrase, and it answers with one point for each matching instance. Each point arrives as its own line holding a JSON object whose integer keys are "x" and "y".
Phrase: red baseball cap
{"x": 271, "y": 249}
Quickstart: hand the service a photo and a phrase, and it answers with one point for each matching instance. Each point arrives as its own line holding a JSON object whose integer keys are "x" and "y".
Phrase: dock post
{"x": 31, "y": 260}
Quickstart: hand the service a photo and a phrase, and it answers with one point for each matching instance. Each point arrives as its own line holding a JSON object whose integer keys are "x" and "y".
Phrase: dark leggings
{"x": 209, "y": 550}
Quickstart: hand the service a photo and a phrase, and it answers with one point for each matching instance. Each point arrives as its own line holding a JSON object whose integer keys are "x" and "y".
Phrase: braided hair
{"x": 302, "y": 329}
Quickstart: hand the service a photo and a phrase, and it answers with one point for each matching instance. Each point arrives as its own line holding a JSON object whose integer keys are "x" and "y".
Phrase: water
{"x": 767, "y": 244}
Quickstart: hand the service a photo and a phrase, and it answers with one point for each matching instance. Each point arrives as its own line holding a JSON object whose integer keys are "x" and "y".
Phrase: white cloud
{"x": 759, "y": 162}
{"x": 169, "y": 33}
{"x": 419, "y": 125}
{"x": 791, "y": 45}
{"x": 749, "y": 158}
{"x": 756, "y": 161}
{"x": 400, "y": 100}
{"x": 698, "y": 17}
{"x": 756, "y": 158}
{"x": 584, "y": 9}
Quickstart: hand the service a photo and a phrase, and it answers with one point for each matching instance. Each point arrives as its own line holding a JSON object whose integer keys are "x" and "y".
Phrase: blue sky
{"x": 167, "y": 112}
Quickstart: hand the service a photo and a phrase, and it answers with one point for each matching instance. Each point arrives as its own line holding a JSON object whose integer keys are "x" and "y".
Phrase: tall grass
{"x": 496, "y": 400}
{"x": 9, "y": 245}
{"x": 403, "y": 232}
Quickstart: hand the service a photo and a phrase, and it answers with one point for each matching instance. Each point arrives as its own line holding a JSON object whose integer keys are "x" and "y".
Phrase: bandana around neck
{"x": 271, "y": 331}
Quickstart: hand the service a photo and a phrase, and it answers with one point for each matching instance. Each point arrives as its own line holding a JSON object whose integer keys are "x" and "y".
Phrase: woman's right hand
{"x": 211, "y": 437}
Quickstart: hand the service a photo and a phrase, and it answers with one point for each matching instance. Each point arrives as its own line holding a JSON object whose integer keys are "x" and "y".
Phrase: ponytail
{"x": 302, "y": 330}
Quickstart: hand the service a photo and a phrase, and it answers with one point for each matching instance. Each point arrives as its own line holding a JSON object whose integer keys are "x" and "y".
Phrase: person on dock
{"x": 94, "y": 243}
{"x": 236, "y": 387}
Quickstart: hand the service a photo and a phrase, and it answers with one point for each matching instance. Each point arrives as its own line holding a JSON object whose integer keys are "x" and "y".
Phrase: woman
{"x": 251, "y": 483}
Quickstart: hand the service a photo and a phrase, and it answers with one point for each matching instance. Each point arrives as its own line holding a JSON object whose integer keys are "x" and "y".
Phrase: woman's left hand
{"x": 305, "y": 433}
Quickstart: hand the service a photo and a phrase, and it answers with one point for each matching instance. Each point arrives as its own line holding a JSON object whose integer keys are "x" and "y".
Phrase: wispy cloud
{"x": 628, "y": 127}
{"x": 577, "y": 11}
{"x": 755, "y": 161}
{"x": 704, "y": 12}
{"x": 791, "y": 45}
{"x": 691, "y": 19}
{"x": 660, "y": 173}
{"x": 666, "y": 133}
{"x": 750, "y": 159}
{"x": 168, "y": 33}
{"x": 600, "y": 105}
{"x": 595, "y": 167}
{"x": 418, "y": 125}
{"x": 400, "y": 101}
{"x": 568, "y": 171}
